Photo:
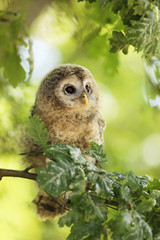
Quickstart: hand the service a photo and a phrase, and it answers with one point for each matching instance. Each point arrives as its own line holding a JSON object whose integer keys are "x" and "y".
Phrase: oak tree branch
{"x": 17, "y": 173}
{"x": 33, "y": 176}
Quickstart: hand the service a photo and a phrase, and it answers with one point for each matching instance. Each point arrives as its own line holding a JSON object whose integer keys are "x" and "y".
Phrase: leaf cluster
{"x": 101, "y": 204}
{"x": 13, "y": 33}
{"x": 140, "y": 28}
{"x": 102, "y": 25}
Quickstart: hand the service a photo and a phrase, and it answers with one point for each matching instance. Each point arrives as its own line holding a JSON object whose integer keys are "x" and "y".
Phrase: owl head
{"x": 69, "y": 86}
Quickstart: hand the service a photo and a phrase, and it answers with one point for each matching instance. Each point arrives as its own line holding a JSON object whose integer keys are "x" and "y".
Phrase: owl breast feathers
{"x": 68, "y": 103}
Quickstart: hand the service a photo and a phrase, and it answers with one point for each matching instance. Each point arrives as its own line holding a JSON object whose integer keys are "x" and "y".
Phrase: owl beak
{"x": 84, "y": 99}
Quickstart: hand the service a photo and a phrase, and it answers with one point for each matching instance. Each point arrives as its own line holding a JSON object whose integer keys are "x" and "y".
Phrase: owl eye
{"x": 70, "y": 89}
{"x": 87, "y": 89}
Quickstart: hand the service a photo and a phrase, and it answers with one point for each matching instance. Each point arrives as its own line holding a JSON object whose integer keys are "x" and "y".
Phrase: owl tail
{"x": 49, "y": 206}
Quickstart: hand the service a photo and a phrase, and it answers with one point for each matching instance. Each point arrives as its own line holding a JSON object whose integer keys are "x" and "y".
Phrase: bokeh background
{"x": 68, "y": 32}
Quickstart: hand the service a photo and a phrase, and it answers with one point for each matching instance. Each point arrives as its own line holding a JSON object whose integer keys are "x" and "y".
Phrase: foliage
{"x": 37, "y": 131}
{"x": 125, "y": 136}
{"x": 141, "y": 25}
{"x": 108, "y": 25}
{"x": 92, "y": 192}
{"x": 13, "y": 34}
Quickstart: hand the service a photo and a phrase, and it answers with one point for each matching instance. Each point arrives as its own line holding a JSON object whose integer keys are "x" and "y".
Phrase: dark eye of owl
{"x": 70, "y": 89}
{"x": 87, "y": 88}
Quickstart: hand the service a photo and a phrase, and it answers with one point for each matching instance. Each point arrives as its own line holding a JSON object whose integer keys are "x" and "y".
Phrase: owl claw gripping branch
{"x": 67, "y": 102}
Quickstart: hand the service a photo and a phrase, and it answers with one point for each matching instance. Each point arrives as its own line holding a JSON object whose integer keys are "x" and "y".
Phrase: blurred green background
{"x": 72, "y": 32}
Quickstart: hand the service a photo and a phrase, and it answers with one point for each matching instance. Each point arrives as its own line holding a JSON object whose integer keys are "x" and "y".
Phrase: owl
{"x": 68, "y": 102}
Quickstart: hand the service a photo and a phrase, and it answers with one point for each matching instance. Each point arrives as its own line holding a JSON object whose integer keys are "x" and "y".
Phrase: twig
{"x": 17, "y": 173}
{"x": 111, "y": 202}
{"x": 33, "y": 176}
{"x": 30, "y": 153}
{"x": 28, "y": 168}
{"x": 112, "y": 207}
{"x": 60, "y": 204}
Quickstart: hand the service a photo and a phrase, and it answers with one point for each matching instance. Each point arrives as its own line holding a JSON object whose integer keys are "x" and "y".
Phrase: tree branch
{"x": 111, "y": 202}
{"x": 17, "y": 173}
{"x": 33, "y": 176}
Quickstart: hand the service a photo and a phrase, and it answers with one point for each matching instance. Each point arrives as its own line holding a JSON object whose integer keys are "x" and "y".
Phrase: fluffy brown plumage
{"x": 67, "y": 102}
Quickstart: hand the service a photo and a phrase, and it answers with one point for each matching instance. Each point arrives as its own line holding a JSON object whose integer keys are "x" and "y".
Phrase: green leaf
{"x": 120, "y": 222}
{"x": 94, "y": 208}
{"x": 96, "y": 151}
{"x": 87, "y": 231}
{"x": 157, "y": 236}
{"x": 140, "y": 7}
{"x": 118, "y": 5}
{"x": 143, "y": 35}
{"x": 12, "y": 69}
{"x": 37, "y": 131}
{"x": 58, "y": 151}
{"x": 72, "y": 217}
{"x": 155, "y": 184}
{"x": 119, "y": 176}
{"x": 12, "y": 35}
{"x": 128, "y": 225}
{"x": 76, "y": 155}
{"x": 133, "y": 182}
{"x": 118, "y": 42}
{"x": 156, "y": 197}
{"x": 101, "y": 183}
{"x": 125, "y": 193}
{"x": 146, "y": 205}
{"x": 77, "y": 186}
{"x": 69, "y": 153}
{"x": 103, "y": 3}
{"x": 58, "y": 177}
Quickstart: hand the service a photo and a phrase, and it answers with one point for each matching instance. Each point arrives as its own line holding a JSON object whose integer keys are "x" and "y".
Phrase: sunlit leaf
{"x": 96, "y": 151}
{"x": 125, "y": 193}
{"x": 87, "y": 231}
{"x": 103, "y": 184}
{"x": 118, "y": 5}
{"x": 77, "y": 186}
{"x": 93, "y": 207}
{"x": 57, "y": 177}
{"x": 143, "y": 35}
{"x": 12, "y": 34}
{"x": 146, "y": 205}
{"x": 118, "y": 42}
{"x": 129, "y": 226}
{"x": 73, "y": 216}
{"x": 37, "y": 131}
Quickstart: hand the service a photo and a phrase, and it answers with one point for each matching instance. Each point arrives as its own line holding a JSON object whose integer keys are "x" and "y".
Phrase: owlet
{"x": 68, "y": 103}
